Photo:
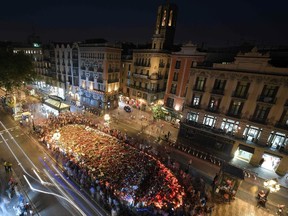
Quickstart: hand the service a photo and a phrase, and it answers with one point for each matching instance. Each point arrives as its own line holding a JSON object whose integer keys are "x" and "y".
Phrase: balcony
{"x": 155, "y": 77}
{"x": 142, "y": 76}
{"x": 241, "y": 96}
{"x": 83, "y": 77}
{"x": 113, "y": 80}
{"x": 91, "y": 78}
{"x": 213, "y": 109}
{"x": 198, "y": 106}
{"x": 146, "y": 89}
{"x": 99, "y": 80}
{"x": 217, "y": 91}
{"x": 281, "y": 125}
{"x": 231, "y": 114}
{"x": 198, "y": 89}
{"x": 258, "y": 120}
{"x": 266, "y": 99}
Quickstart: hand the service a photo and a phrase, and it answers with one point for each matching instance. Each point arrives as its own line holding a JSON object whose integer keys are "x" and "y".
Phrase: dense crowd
{"x": 116, "y": 173}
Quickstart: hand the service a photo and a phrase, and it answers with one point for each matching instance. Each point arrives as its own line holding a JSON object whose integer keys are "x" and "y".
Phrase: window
{"x": 284, "y": 118}
{"x": 261, "y": 112}
{"x": 252, "y": 133}
{"x": 170, "y": 102}
{"x": 229, "y": 126}
{"x": 173, "y": 89}
{"x": 214, "y": 104}
{"x": 269, "y": 91}
{"x": 209, "y": 120}
{"x": 192, "y": 117}
{"x": 200, "y": 83}
{"x": 219, "y": 84}
{"x": 235, "y": 108}
{"x": 242, "y": 89}
{"x": 175, "y": 76}
{"x": 177, "y": 64}
{"x": 196, "y": 100}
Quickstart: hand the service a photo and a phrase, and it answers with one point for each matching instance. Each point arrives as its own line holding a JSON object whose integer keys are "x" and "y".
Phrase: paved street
{"x": 52, "y": 192}
{"x": 147, "y": 132}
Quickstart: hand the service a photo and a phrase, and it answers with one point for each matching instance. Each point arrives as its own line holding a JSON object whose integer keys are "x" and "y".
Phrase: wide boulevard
{"x": 50, "y": 192}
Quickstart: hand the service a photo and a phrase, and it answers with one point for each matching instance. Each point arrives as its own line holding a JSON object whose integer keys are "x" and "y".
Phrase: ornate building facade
{"x": 147, "y": 77}
{"x": 240, "y": 109}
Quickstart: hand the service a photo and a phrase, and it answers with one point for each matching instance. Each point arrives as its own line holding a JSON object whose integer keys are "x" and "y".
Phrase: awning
{"x": 58, "y": 105}
{"x": 246, "y": 148}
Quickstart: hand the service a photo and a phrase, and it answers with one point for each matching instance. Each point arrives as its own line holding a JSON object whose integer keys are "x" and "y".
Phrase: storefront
{"x": 244, "y": 152}
{"x": 271, "y": 162}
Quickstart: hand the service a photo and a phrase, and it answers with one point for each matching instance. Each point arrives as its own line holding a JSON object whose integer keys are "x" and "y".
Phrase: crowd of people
{"x": 105, "y": 163}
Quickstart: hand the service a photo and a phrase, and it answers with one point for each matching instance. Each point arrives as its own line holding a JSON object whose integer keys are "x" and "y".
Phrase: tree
{"x": 15, "y": 69}
{"x": 157, "y": 112}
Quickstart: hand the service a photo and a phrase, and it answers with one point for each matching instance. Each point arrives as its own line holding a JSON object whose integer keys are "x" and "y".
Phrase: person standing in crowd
{"x": 6, "y": 166}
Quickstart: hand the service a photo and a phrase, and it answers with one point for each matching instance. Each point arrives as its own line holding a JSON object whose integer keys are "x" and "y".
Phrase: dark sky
{"x": 212, "y": 22}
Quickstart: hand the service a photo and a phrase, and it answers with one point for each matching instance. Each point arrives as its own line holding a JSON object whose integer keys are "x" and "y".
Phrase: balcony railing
{"x": 258, "y": 120}
{"x": 237, "y": 115}
{"x": 266, "y": 99}
{"x": 241, "y": 96}
{"x": 83, "y": 77}
{"x": 281, "y": 125}
{"x": 100, "y": 80}
{"x": 213, "y": 110}
{"x": 91, "y": 78}
{"x": 143, "y": 76}
{"x": 158, "y": 77}
{"x": 146, "y": 89}
{"x": 113, "y": 80}
{"x": 217, "y": 91}
{"x": 194, "y": 106}
{"x": 198, "y": 89}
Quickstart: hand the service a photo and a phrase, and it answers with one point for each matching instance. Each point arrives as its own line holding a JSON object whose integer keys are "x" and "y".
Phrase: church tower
{"x": 163, "y": 37}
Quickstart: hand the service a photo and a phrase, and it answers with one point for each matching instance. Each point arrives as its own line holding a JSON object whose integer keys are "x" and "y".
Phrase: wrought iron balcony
{"x": 217, "y": 91}
{"x": 241, "y": 96}
{"x": 198, "y": 89}
{"x": 265, "y": 99}
{"x": 258, "y": 120}
{"x": 137, "y": 75}
{"x": 281, "y": 125}
{"x": 213, "y": 109}
{"x": 91, "y": 78}
{"x": 235, "y": 115}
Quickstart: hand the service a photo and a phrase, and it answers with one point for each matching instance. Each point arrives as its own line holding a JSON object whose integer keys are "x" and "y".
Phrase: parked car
{"x": 127, "y": 108}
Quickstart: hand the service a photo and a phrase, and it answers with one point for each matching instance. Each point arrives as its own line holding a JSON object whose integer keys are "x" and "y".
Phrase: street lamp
{"x": 107, "y": 118}
{"x": 33, "y": 125}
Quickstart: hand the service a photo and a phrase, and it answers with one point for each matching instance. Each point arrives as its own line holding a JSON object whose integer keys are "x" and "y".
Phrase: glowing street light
{"x": 106, "y": 117}
{"x": 272, "y": 185}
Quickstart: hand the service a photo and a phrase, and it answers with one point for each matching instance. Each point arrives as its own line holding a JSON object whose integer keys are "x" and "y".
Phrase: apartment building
{"x": 239, "y": 109}
{"x": 147, "y": 77}
{"x": 178, "y": 79}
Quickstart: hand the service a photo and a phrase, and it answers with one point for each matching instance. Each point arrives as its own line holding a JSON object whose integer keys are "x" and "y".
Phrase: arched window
{"x": 170, "y": 18}
{"x": 164, "y": 18}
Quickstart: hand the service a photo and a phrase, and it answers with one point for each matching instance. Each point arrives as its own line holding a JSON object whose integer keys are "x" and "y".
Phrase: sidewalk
{"x": 13, "y": 205}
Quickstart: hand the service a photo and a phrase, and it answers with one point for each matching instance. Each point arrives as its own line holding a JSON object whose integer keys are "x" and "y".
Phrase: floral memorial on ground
{"x": 135, "y": 177}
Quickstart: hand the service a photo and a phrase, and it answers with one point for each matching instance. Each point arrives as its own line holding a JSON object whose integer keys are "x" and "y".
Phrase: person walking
{"x": 9, "y": 167}
{"x": 6, "y": 166}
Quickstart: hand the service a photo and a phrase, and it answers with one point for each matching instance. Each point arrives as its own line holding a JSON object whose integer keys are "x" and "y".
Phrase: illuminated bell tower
{"x": 163, "y": 37}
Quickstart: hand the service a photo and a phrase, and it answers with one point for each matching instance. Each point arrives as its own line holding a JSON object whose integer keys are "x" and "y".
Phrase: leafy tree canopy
{"x": 157, "y": 111}
{"x": 15, "y": 69}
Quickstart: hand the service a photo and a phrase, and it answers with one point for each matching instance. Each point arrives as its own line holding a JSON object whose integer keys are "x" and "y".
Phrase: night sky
{"x": 212, "y": 22}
